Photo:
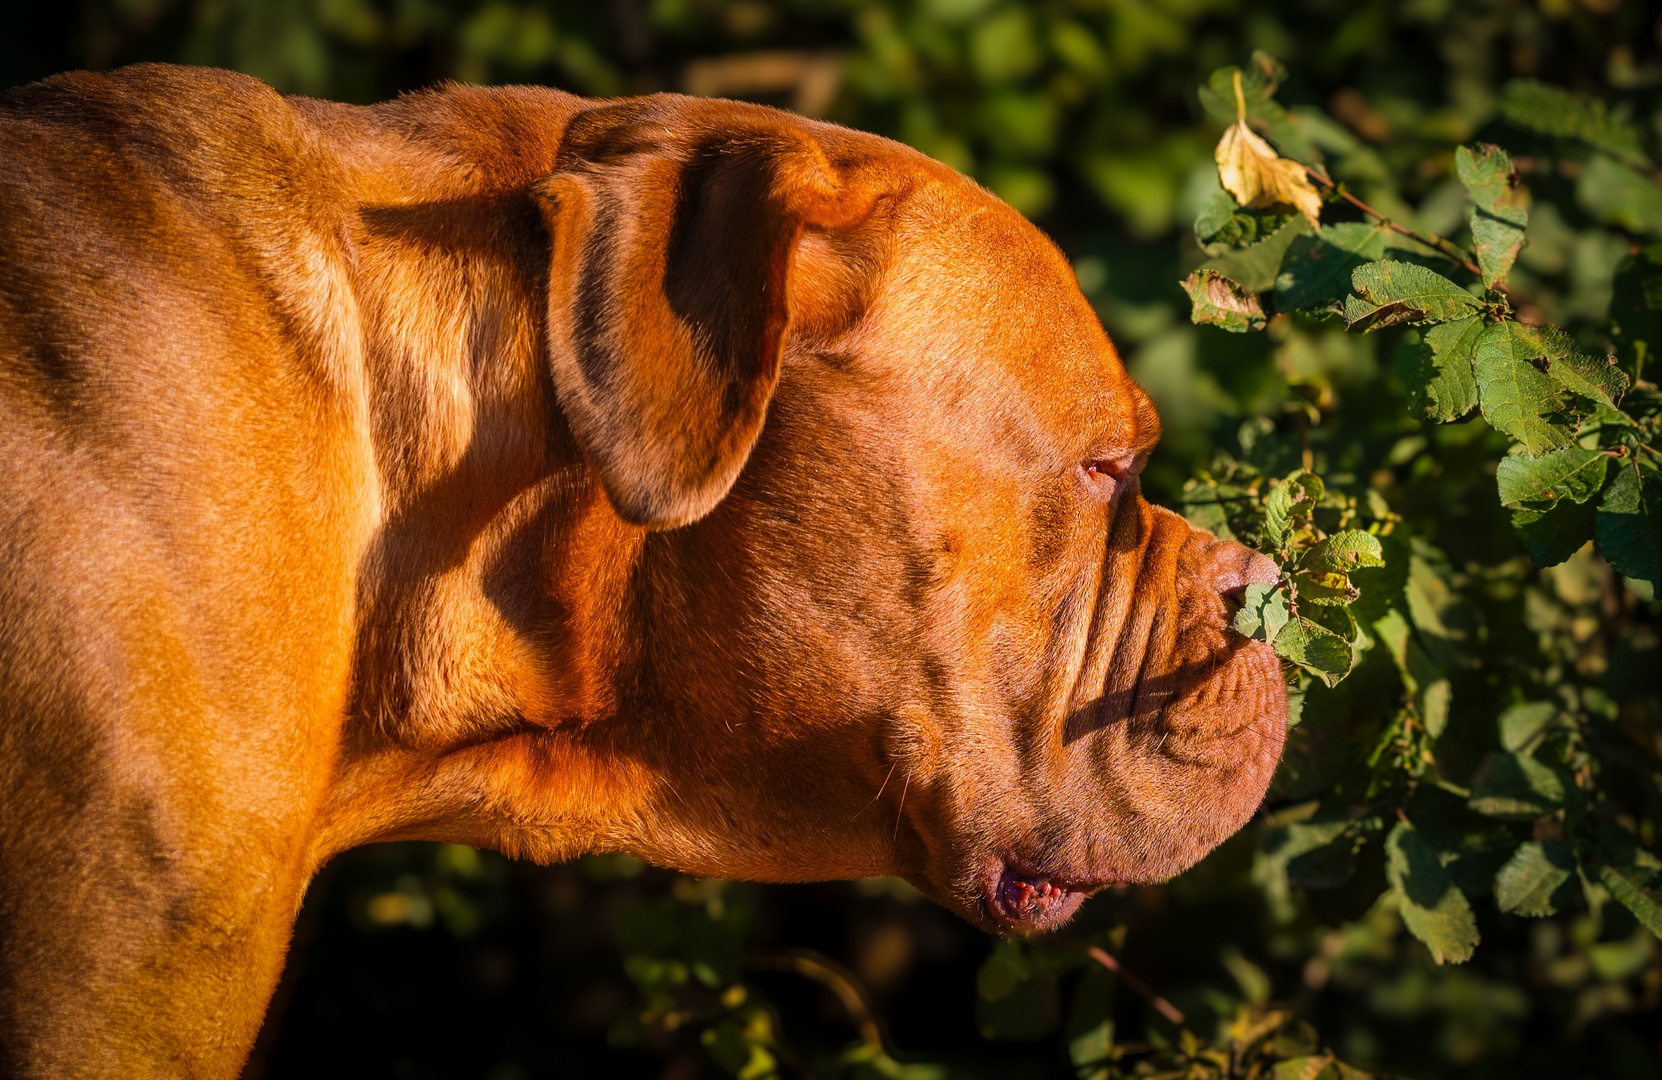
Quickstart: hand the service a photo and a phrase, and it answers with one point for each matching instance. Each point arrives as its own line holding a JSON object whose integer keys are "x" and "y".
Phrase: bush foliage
{"x": 1411, "y": 355}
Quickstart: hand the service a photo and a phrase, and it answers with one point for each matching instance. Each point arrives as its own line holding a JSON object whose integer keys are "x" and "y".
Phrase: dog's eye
{"x": 1106, "y": 476}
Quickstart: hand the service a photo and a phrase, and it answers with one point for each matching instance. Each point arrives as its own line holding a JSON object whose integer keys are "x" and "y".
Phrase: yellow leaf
{"x": 1256, "y": 175}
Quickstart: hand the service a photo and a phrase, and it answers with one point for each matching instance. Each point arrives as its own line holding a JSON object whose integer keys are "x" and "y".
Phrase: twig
{"x": 834, "y": 977}
{"x": 1161, "y": 1005}
{"x": 1435, "y": 243}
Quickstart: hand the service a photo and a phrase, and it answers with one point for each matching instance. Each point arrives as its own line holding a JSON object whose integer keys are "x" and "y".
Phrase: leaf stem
{"x": 1435, "y": 243}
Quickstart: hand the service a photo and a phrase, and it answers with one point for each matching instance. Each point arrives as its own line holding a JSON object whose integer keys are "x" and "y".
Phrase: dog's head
{"x": 904, "y": 609}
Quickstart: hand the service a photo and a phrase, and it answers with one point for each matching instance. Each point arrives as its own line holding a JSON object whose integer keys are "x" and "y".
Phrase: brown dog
{"x": 667, "y": 476}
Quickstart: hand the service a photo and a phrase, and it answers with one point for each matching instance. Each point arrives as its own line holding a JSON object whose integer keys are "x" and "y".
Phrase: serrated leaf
{"x": 1633, "y": 896}
{"x": 1390, "y": 292}
{"x": 1570, "y": 473}
{"x": 1520, "y": 724}
{"x": 1618, "y": 195}
{"x": 1442, "y": 385}
{"x": 1554, "y": 534}
{"x": 1432, "y": 908}
{"x": 1316, "y": 649}
{"x": 1516, "y": 787}
{"x": 1221, "y": 302}
{"x": 1516, "y": 397}
{"x": 1552, "y": 111}
{"x": 1629, "y": 525}
{"x": 1486, "y": 172}
{"x": 1497, "y": 237}
{"x": 1263, "y": 612}
{"x": 1533, "y": 882}
{"x": 1324, "y": 588}
{"x": 1287, "y": 507}
{"x": 1595, "y": 377}
{"x": 1316, "y": 271}
{"x": 1343, "y": 552}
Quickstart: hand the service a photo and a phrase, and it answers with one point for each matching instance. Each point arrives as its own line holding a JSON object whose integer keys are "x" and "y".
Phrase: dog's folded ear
{"x": 674, "y": 225}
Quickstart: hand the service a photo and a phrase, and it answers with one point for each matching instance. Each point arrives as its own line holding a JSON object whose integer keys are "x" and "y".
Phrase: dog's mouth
{"x": 1024, "y": 900}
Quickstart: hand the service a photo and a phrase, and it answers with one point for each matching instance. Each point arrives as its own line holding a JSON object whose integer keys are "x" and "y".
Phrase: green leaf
{"x": 1222, "y": 221}
{"x": 1343, "y": 552}
{"x": 1595, "y": 377}
{"x": 1520, "y": 724}
{"x": 1516, "y": 397}
{"x": 1287, "y": 508}
{"x": 1554, "y": 534}
{"x": 1391, "y": 292}
{"x": 1497, "y": 237}
{"x": 1618, "y": 195}
{"x": 1432, "y": 908}
{"x": 1486, "y": 171}
{"x": 1633, "y": 896}
{"x": 1221, "y": 302}
{"x": 1263, "y": 612}
{"x": 1442, "y": 384}
{"x": 1630, "y": 525}
{"x": 1569, "y": 473}
{"x": 1516, "y": 787}
{"x": 1013, "y": 996}
{"x": 1257, "y": 266}
{"x": 1316, "y": 271}
{"x": 1536, "y": 880}
{"x": 1316, "y": 649}
{"x": 1552, "y": 111}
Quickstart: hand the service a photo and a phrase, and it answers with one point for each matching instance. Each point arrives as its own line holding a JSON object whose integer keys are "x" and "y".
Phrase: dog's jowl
{"x": 666, "y": 476}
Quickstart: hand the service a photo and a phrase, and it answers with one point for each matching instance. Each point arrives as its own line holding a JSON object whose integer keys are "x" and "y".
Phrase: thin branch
{"x": 1161, "y": 1005}
{"x": 1435, "y": 243}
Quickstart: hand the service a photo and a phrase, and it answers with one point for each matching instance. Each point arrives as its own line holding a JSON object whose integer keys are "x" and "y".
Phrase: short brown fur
{"x": 667, "y": 476}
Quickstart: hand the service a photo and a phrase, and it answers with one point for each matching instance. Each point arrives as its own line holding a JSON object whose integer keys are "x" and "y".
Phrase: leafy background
{"x": 1497, "y": 711}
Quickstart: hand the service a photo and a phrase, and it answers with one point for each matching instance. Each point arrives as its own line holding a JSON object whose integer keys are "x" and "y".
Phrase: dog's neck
{"x": 496, "y": 581}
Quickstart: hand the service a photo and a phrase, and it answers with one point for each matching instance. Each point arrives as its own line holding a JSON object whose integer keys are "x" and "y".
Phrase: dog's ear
{"x": 674, "y": 224}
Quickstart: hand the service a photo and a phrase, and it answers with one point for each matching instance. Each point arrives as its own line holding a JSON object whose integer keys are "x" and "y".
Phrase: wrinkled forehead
{"x": 987, "y": 312}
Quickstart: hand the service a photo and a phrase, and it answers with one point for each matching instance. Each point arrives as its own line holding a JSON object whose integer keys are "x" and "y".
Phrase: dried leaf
{"x": 1256, "y": 175}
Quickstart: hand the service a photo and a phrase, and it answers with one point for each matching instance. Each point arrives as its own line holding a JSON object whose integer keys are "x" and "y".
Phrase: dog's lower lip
{"x": 1022, "y": 898}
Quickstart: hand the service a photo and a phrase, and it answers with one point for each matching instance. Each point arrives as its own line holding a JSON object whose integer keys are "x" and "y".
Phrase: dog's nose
{"x": 1232, "y": 566}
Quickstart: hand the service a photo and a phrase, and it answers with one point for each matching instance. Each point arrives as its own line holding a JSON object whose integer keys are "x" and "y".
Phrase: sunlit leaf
{"x": 1263, "y": 612}
{"x": 1221, "y": 302}
{"x": 1516, "y": 396}
{"x": 1315, "y": 648}
{"x": 1570, "y": 473}
{"x": 1343, "y": 552}
{"x": 1486, "y": 172}
{"x": 1497, "y": 237}
{"x": 1391, "y": 292}
{"x": 1443, "y": 383}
